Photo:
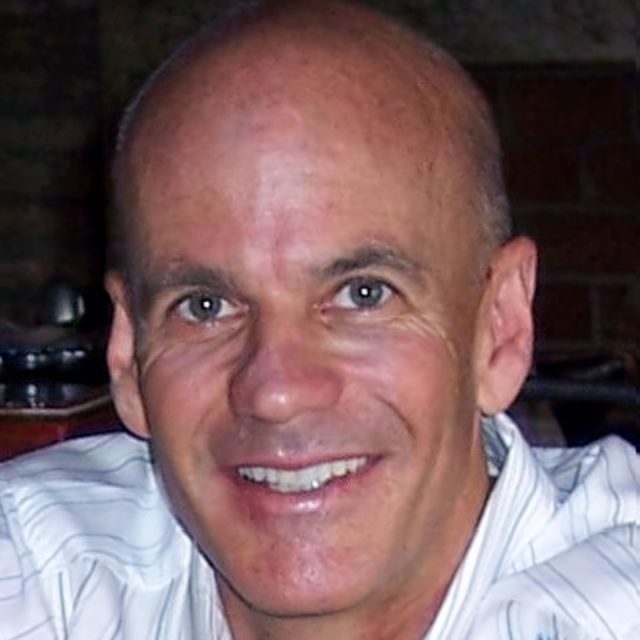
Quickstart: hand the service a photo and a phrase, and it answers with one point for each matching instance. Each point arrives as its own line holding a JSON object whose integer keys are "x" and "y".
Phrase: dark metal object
{"x": 44, "y": 370}
{"x": 69, "y": 362}
{"x": 44, "y": 396}
{"x": 590, "y": 397}
{"x": 62, "y": 305}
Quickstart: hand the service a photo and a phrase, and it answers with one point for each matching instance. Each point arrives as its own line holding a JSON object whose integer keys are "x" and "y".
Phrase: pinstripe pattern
{"x": 556, "y": 555}
{"x": 89, "y": 550}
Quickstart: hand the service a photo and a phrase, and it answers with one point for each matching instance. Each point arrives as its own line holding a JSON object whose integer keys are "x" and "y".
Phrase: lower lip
{"x": 261, "y": 497}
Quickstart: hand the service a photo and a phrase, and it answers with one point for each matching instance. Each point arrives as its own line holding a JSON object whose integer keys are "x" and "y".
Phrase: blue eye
{"x": 363, "y": 293}
{"x": 200, "y": 308}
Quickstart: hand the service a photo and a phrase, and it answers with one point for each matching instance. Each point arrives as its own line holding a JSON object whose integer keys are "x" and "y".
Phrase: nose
{"x": 285, "y": 374}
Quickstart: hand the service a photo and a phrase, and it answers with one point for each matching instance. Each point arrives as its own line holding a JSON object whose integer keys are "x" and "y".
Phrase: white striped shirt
{"x": 90, "y": 551}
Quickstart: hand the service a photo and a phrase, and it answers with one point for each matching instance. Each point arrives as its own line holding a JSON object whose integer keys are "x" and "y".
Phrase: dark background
{"x": 560, "y": 75}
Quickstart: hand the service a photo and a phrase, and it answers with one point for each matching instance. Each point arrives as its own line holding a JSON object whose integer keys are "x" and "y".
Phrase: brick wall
{"x": 572, "y": 155}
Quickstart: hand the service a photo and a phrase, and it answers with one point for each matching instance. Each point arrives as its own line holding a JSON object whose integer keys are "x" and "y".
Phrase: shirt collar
{"x": 522, "y": 501}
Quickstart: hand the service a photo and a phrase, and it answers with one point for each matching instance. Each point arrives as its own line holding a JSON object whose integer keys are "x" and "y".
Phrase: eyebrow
{"x": 375, "y": 255}
{"x": 181, "y": 273}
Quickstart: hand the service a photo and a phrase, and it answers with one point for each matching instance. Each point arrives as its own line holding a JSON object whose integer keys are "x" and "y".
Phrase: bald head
{"x": 313, "y": 193}
{"x": 338, "y": 68}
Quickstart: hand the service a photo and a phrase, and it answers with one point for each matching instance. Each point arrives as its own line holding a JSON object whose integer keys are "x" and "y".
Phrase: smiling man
{"x": 319, "y": 318}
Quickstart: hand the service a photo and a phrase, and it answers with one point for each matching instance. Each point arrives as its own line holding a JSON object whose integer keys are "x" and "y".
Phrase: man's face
{"x": 305, "y": 352}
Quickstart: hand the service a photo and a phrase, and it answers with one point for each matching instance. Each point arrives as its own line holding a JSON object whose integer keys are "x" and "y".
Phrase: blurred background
{"x": 562, "y": 76}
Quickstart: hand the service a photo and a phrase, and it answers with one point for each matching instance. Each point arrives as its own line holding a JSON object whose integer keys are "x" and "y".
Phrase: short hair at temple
{"x": 473, "y": 121}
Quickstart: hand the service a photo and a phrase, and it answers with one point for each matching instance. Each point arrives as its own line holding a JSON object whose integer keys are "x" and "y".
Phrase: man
{"x": 318, "y": 313}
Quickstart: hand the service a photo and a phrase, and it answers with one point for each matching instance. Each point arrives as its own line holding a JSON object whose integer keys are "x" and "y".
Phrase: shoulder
{"x": 611, "y": 461}
{"x": 91, "y": 499}
{"x": 597, "y": 487}
{"x": 81, "y": 524}
{"x": 88, "y": 460}
{"x": 579, "y": 567}
{"x": 590, "y": 590}
{"x": 64, "y": 482}
{"x": 580, "y": 491}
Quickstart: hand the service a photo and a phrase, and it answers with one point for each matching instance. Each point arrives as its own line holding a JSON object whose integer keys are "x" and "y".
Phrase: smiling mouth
{"x": 305, "y": 479}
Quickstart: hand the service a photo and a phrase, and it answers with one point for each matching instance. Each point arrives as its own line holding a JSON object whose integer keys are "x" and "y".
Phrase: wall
{"x": 51, "y": 153}
{"x": 571, "y": 141}
{"x": 526, "y": 31}
{"x": 572, "y": 158}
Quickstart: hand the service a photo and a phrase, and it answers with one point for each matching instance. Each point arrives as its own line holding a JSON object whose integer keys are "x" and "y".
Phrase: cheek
{"x": 182, "y": 387}
{"x": 410, "y": 367}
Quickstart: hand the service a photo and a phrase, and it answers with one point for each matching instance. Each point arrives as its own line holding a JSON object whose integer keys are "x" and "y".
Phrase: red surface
{"x": 20, "y": 435}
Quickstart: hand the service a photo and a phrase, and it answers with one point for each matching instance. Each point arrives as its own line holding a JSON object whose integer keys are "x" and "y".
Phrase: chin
{"x": 298, "y": 587}
{"x": 294, "y": 600}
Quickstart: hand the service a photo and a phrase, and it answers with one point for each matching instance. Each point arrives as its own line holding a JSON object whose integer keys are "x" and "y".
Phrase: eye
{"x": 202, "y": 308}
{"x": 363, "y": 293}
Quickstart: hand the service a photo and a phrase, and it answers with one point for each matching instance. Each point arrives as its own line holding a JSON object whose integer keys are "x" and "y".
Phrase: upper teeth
{"x": 305, "y": 479}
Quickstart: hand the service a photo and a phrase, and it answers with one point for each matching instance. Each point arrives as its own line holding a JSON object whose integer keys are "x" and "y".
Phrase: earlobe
{"x": 505, "y": 340}
{"x": 121, "y": 360}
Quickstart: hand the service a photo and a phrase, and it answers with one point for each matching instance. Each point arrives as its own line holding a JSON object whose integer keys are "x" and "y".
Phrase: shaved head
{"x": 312, "y": 209}
{"x": 406, "y": 92}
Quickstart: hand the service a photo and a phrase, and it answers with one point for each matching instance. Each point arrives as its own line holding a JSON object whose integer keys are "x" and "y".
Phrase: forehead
{"x": 309, "y": 88}
{"x": 316, "y": 141}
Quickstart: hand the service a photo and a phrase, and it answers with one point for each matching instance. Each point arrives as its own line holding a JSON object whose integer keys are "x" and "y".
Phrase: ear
{"x": 121, "y": 360}
{"x": 504, "y": 336}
